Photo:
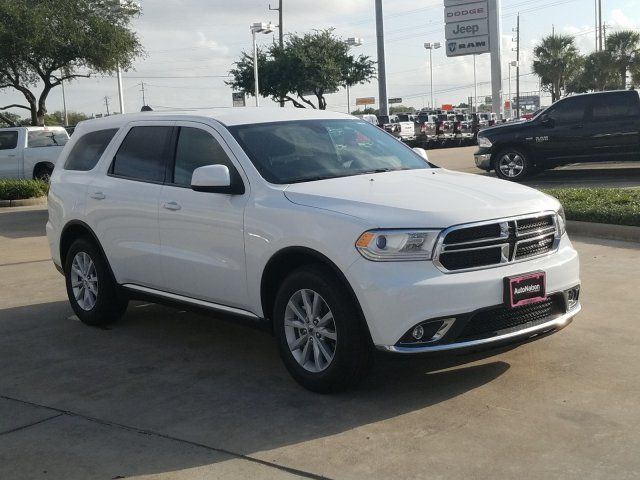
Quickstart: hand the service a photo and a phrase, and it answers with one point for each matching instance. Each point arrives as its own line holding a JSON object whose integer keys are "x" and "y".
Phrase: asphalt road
{"x": 168, "y": 394}
{"x": 609, "y": 174}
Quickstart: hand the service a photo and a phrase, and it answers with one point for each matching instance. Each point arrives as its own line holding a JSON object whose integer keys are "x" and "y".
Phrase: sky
{"x": 191, "y": 45}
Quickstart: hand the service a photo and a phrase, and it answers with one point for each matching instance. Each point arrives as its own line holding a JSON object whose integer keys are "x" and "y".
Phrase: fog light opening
{"x": 573, "y": 296}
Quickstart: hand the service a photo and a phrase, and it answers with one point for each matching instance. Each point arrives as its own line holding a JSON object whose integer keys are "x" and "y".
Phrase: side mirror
{"x": 422, "y": 152}
{"x": 214, "y": 179}
{"x": 547, "y": 122}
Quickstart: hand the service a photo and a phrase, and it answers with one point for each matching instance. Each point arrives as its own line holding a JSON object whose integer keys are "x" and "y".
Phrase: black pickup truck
{"x": 593, "y": 127}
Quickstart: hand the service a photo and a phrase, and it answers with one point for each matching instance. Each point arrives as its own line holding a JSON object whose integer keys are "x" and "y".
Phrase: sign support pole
{"x": 496, "y": 57}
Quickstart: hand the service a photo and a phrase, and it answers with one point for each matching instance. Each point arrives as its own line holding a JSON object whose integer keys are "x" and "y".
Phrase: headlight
{"x": 484, "y": 142}
{"x": 397, "y": 245}
{"x": 562, "y": 221}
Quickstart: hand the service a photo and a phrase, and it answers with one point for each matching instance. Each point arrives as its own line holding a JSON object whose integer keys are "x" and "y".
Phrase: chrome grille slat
{"x": 521, "y": 238}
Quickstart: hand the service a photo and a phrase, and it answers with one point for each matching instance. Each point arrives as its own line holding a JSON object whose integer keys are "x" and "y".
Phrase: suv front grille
{"x": 502, "y": 319}
{"x": 475, "y": 246}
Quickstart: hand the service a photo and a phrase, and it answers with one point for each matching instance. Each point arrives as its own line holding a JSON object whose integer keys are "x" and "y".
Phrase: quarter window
{"x": 197, "y": 148}
{"x": 87, "y": 151}
{"x": 8, "y": 140}
{"x": 142, "y": 155}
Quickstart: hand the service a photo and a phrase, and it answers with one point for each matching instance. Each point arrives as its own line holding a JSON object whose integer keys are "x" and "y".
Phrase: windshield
{"x": 307, "y": 150}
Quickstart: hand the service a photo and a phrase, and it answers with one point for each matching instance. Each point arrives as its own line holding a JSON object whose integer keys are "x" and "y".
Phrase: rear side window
{"x": 197, "y": 148}
{"x": 87, "y": 151}
{"x": 569, "y": 112}
{"x": 142, "y": 155}
{"x": 613, "y": 106}
{"x": 47, "y": 138}
{"x": 8, "y": 140}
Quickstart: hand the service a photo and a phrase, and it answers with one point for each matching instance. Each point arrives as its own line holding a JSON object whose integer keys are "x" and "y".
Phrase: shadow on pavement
{"x": 214, "y": 383}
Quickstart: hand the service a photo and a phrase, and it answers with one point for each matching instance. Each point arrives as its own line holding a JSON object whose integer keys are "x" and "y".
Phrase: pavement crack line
{"x": 293, "y": 471}
{"x": 26, "y": 262}
{"x": 28, "y": 425}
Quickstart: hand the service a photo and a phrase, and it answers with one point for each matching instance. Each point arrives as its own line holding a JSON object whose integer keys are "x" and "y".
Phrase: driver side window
{"x": 570, "y": 111}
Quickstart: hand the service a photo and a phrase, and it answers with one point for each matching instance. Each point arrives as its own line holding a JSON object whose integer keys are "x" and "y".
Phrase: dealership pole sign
{"x": 472, "y": 27}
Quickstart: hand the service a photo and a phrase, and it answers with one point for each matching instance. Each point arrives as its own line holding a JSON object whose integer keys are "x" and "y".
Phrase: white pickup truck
{"x": 30, "y": 152}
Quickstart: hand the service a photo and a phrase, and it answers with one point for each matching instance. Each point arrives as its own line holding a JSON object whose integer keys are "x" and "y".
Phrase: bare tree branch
{"x": 15, "y": 105}
{"x": 308, "y": 102}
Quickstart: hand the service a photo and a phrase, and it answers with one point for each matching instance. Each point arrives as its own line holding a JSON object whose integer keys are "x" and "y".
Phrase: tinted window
{"x": 306, "y": 150}
{"x": 87, "y": 151}
{"x": 196, "y": 148}
{"x": 8, "y": 140}
{"x": 614, "y": 106}
{"x": 569, "y": 111}
{"x": 47, "y": 138}
{"x": 142, "y": 154}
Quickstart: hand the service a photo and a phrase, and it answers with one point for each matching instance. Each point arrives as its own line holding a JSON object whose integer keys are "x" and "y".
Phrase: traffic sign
{"x": 365, "y": 101}
{"x": 238, "y": 99}
{"x": 470, "y": 28}
{"x": 395, "y": 100}
{"x": 468, "y": 46}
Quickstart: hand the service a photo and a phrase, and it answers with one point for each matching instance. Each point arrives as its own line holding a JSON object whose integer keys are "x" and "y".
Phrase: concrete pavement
{"x": 169, "y": 394}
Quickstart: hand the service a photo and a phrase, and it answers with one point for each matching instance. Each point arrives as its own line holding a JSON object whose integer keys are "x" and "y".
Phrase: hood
{"x": 505, "y": 127}
{"x": 434, "y": 198}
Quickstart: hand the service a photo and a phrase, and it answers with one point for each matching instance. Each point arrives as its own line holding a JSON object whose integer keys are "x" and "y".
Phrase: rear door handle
{"x": 171, "y": 206}
{"x": 98, "y": 196}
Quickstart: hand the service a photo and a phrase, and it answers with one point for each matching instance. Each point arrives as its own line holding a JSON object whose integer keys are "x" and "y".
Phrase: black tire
{"x": 43, "y": 172}
{"x": 353, "y": 350}
{"x": 521, "y": 165}
{"x": 110, "y": 302}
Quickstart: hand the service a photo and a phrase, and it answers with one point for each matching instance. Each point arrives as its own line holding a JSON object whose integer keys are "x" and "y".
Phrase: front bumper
{"x": 396, "y": 296}
{"x": 483, "y": 161}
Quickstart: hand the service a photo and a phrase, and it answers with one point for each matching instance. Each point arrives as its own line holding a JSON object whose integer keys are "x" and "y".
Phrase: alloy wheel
{"x": 84, "y": 281}
{"x": 310, "y": 330}
{"x": 511, "y": 165}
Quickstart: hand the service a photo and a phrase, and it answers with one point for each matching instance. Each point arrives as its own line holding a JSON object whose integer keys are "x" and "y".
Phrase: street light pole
{"x": 512, "y": 63}
{"x": 120, "y": 95}
{"x": 258, "y": 27}
{"x": 352, "y": 42}
{"x": 475, "y": 87}
{"x": 431, "y": 46}
{"x": 64, "y": 101}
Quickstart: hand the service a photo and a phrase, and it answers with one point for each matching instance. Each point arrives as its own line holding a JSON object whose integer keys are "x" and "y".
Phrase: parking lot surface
{"x": 607, "y": 174}
{"x": 170, "y": 394}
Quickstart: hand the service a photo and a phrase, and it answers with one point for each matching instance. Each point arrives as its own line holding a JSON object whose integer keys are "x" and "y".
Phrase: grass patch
{"x": 22, "y": 189}
{"x": 616, "y": 206}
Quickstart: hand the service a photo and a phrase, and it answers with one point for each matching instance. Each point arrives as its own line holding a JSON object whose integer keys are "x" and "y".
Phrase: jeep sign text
{"x": 471, "y": 28}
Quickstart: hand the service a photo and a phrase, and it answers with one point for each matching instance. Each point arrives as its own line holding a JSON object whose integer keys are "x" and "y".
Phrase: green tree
{"x": 47, "y": 42}
{"x": 9, "y": 119}
{"x": 313, "y": 64}
{"x": 598, "y": 73}
{"x": 625, "y": 49}
{"x": 557, "y": 61}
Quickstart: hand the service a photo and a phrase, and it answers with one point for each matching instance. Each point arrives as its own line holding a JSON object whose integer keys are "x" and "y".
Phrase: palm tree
{"x": 557, "y": 61}
{"x": 625, "y": 49}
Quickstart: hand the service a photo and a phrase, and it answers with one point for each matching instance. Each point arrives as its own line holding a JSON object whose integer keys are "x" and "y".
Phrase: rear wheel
{"x": 93, "y": 293}
{"x": 321, "y": 336}
{"x": 512, "y": 164}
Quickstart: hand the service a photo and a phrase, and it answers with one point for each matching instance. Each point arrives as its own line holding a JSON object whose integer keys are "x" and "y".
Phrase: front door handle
{"x": 171, "y": 206}
{"x": 98, "y": 196}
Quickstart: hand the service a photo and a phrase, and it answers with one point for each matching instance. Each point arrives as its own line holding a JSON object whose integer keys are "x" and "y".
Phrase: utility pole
{"x": 600, "y": 24}
{"x": 604, "y": 35}
{"x": 475, "y": 87}
{"x": 382, "y": 70}
{"x": 518, "y": 67}
{"x": 106, "y": 102}
{"x": 280, "y": 32}
{"x": 596, "y": 17}
{"x": 64, "y": 102}
{"x": 120, "y": 94}
{"x": 144, "y": 100}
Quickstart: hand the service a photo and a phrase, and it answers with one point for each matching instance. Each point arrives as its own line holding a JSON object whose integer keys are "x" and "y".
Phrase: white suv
{"x": 322, "y": 226}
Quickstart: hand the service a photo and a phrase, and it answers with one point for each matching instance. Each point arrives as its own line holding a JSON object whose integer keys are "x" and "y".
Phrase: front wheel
{"x": 512, "y": 164}
{"x": 321, "y": 337}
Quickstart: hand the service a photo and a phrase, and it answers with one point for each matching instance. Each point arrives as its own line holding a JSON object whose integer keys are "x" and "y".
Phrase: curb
{"x": 27, "y": 202}
{"x": 624, "y": 233}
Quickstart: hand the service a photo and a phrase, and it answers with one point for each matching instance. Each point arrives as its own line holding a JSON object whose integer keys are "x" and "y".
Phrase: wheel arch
{"x": 286, "y": 261}
{"x": 73, "y": 230}
{"x": 39, "y": 165}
